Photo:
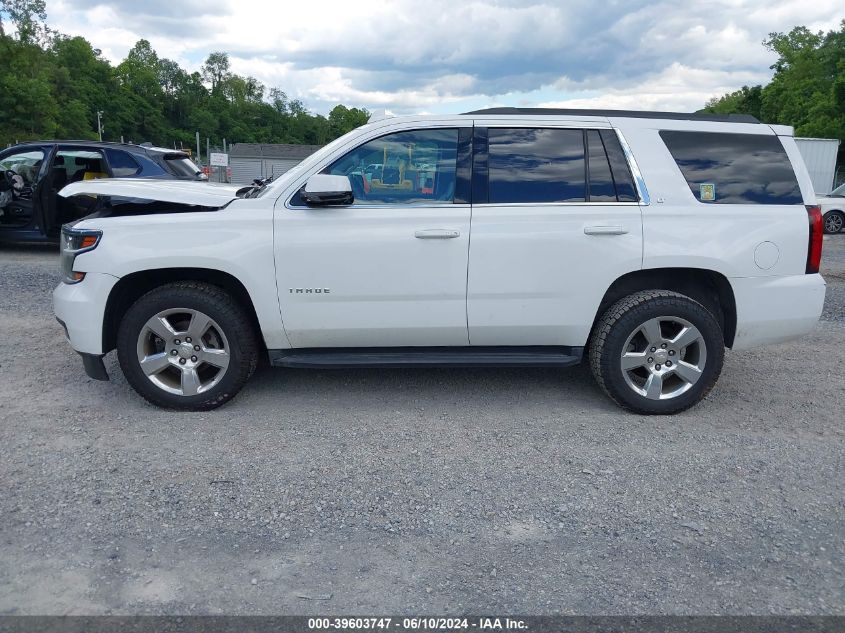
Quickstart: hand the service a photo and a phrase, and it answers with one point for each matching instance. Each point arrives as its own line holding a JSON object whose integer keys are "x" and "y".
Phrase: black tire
{"x": 623, "y": 320}
{"x": 833, "y": 221}
{"x": 212, "y": 301}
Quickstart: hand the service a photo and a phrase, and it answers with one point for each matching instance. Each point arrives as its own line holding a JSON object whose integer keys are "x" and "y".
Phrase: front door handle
{"x": 615, "y": 229}
{"x": 437, "y": 234}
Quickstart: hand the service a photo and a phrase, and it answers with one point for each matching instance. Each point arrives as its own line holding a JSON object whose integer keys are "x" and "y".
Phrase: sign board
{"x": 218, "y": 159}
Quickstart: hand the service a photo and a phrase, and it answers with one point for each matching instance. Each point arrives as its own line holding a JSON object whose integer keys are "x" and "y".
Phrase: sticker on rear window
{"x": 707, "y": 192}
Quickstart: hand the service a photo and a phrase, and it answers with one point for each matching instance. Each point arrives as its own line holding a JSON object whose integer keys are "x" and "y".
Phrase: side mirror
{"x": 324, "y": 190}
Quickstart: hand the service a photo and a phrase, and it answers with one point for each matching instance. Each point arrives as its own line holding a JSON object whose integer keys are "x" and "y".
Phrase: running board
{"x": 395, "y": 357}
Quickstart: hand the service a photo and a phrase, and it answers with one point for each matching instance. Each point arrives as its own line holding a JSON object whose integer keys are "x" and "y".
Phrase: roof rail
{"x": 633, "y": 114}
{"x": 88, "y": 141}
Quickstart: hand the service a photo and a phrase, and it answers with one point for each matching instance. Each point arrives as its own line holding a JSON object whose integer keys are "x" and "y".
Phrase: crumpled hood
{"x": 206, "y": 194}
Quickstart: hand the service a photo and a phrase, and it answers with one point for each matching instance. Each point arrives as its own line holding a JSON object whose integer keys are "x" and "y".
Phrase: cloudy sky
{"x": 436, "y": 56}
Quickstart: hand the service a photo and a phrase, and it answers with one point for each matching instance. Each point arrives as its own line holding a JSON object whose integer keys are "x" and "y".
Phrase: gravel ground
{"x": 418, "y": 491}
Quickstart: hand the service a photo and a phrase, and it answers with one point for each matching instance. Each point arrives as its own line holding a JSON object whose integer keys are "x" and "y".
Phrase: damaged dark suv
{"x": 32, "y": 173}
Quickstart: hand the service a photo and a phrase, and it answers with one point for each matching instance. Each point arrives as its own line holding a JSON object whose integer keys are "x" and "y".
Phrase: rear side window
{"x": 122, "y": 164}
{"x": 723, "y": 168}
{"x": 74, "y": 165}
{"x": 536, "y": 165}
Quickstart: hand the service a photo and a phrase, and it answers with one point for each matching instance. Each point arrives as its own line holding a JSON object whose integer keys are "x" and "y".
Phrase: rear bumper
{"x": 80, "y": 309}
{"x": 776, "y": 309}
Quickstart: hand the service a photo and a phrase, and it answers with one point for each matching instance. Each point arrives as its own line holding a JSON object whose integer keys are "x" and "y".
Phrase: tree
{"x": 28, "y": 16}
{"x": 55, "y": 86}
{"x": 746, "y": 100}
{"x": 807, "y": 90}
{"x": 343, "y": 119}
{"x": 216, "y": 69}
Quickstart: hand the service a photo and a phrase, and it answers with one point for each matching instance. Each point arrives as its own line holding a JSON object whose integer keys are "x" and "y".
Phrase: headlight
{"x": 74, "y": 242}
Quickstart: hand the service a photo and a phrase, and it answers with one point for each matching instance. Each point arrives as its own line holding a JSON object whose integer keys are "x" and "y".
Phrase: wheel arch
{"x": 710, "y": 288}
{"x": 131, "y": 287}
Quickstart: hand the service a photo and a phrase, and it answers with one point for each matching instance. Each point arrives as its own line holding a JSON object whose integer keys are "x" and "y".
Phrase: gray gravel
{"x": 425, "y": 491}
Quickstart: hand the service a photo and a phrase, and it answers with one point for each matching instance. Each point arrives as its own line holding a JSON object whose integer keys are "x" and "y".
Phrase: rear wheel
{"x": 187, "y": 345}
{"x": 834, "y": 221}
{"x": 657, "y": 352}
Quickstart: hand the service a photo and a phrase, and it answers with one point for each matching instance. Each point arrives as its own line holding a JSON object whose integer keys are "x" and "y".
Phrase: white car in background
{"x": 833, "y": 209}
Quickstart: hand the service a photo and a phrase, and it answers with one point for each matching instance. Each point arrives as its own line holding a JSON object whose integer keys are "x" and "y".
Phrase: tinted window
{"x": 122, "y": 164}
{"x": 622, "y": 177}
{"x": 182, "y": 167}
{"x": 602, "y": 188}
{"x": 536, "y": 165}
{"x": 734, "y": 168}
{"x": 415, "y": 167}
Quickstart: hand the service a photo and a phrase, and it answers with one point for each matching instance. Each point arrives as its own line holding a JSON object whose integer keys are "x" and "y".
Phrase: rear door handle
{"x": 437, "y": 234}
{"x": 615, "y": 229}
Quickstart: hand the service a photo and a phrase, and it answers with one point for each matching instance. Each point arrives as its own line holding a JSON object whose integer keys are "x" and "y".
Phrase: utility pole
{"x": 199, "y": 156}
{"x": 100, "y": 124}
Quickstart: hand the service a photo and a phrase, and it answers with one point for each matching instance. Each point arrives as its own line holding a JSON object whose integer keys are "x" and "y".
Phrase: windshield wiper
{"x": 259, "y": 184}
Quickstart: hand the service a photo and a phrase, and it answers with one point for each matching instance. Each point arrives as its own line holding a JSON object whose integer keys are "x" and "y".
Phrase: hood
{"x": 206, "y": 194}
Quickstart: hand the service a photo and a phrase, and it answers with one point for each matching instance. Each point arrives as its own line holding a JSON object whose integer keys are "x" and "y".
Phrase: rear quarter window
{"x": 122, "y": 164}
{"x": 725, "y": 168}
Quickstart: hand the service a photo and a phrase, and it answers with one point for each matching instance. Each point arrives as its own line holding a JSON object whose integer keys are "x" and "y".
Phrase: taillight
{"x": 814, "y": 248}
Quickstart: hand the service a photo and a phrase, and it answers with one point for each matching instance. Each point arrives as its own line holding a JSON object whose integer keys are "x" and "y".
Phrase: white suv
{"x": 648, "y": 242}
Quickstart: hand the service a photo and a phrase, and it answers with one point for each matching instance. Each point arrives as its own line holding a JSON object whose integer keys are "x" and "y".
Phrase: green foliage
{"x": 52, "y": 86}
{"x": 27, "y": 16}
{"x": 807, "y": 90}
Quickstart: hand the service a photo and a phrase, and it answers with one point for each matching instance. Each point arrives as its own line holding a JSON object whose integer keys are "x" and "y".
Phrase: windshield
{"x": 839, "y": 191}
{"x": 183, "y": 167}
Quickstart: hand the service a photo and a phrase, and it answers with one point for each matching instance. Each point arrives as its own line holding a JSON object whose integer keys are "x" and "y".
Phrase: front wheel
{"x": 657, "y": 352}
{"x": 187, "y": 345}
{"x": 834, "y": 221}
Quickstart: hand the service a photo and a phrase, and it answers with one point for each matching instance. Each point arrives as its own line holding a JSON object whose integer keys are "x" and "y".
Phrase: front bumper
{"x": 80, "y": 308}
{"x": 776, "y": 309}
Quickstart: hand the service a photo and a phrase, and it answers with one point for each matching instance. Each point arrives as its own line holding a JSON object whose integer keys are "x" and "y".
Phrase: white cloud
{"x": 677, "y": 88}
{"x": 442, "y": 56}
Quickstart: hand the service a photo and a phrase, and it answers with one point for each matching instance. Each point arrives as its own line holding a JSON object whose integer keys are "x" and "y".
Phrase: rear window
{"x": 182, "y": 167}
{"x": 723, "y": 168}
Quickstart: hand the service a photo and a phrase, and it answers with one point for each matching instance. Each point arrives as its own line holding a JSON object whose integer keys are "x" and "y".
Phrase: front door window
{"x": 406, "y": 168}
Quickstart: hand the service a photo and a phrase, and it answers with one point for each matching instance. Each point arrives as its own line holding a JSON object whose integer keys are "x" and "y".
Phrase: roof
{"x": 272, "y": 150}
{"x": 631, "y": 114}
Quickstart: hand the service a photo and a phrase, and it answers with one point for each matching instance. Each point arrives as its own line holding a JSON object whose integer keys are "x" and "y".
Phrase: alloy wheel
{"x": 663, "y": 358}
{"x": 833, "y": 222}
{"x": 183, "y": 351}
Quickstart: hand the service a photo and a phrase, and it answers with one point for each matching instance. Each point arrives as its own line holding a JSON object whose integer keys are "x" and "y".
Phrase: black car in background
{"x": 32, "y": 173}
